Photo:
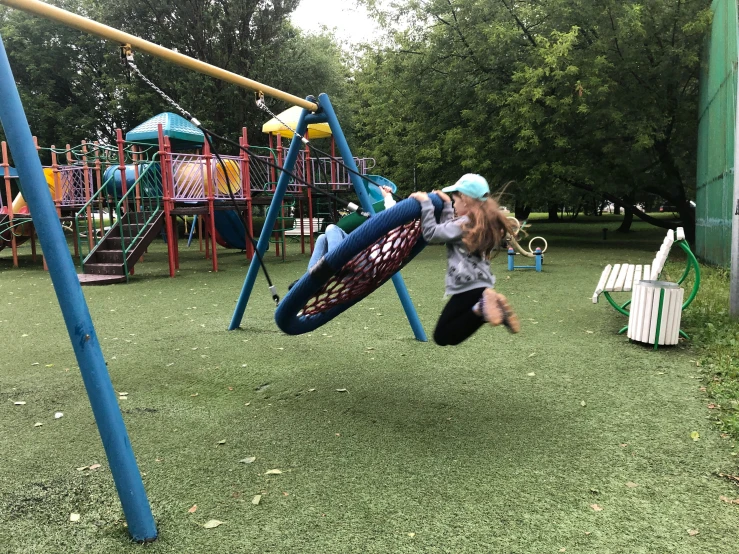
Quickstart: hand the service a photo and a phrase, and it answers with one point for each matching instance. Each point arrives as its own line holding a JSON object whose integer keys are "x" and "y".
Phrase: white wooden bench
{"x": 307, "y": 225}
{"x": 622, "y": 277}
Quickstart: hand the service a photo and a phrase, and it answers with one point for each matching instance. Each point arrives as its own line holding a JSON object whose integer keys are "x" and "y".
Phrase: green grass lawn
{"x": 564, "y": 438}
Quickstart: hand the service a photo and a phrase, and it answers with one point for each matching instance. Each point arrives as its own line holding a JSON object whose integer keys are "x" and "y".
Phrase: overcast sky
{"x": 352, "y": 23}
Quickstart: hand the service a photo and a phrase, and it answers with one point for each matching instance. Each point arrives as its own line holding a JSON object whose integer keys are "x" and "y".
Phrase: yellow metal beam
{"x": 94, "y": 28}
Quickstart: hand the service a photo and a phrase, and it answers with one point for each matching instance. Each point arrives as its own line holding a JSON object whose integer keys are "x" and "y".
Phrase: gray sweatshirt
{"x": 465, "y": 271}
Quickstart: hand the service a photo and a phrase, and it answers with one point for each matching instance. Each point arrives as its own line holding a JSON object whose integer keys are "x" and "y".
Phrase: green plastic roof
{"x": 180, "y": 131}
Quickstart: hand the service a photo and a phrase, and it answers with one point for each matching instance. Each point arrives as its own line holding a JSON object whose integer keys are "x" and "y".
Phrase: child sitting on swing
{"x": 478, "y": 228}
{"x": 334, "y": 234}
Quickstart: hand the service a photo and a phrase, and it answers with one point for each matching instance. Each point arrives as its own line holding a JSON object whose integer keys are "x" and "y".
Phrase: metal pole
{"x": 734, "y": 290}
{"x": 338, "y": 135}
{"x": 74, "y": 309}
{"x": 269, "y": 222}
{"x": 94, "y": 28}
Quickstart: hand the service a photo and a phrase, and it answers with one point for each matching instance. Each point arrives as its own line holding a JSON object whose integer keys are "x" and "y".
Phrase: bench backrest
{"x": 659, "y": 260}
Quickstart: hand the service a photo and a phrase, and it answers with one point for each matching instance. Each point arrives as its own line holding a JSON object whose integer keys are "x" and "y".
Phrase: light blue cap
{"x": 471, "y": 184}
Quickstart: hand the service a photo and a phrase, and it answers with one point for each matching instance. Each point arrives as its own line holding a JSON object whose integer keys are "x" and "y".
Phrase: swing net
{"x": 361, "y": 263}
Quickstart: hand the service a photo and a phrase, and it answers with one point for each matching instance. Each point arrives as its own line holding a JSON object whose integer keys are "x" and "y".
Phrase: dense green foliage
{"x": 563, "y": 96}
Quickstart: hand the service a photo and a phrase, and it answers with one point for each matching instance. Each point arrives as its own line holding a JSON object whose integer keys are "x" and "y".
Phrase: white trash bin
{"x": 655, "y": 312}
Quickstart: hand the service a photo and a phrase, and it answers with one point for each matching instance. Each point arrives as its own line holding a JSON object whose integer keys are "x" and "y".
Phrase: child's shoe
{"x": 510, "y": 319}
{"x": 490, "y": 307}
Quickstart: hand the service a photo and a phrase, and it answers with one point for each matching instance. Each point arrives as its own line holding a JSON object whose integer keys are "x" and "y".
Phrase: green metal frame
{"x": 80, "y": 220}
{"x": 123, "y": 213}
{"x": 149, "y": 203}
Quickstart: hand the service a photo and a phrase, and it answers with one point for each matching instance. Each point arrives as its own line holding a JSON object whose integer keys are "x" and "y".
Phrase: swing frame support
{"x": 325, "y": 114}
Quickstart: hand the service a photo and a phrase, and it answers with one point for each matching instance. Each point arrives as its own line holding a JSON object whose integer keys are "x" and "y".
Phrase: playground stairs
{"x": 105, "y": 264}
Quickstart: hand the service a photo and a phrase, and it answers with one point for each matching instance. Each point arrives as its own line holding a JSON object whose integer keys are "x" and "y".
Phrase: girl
{"x": 470, "y": 237}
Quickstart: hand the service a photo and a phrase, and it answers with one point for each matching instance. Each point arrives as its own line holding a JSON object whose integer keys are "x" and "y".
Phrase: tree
{"x": 555, "y": 94}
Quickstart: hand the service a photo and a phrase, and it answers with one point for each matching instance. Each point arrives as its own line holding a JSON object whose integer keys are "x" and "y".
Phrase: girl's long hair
{"x": 486, "y": 227}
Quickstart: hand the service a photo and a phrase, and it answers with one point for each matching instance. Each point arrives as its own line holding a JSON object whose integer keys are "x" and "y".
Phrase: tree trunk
{"x": 627, "y": 221}
{"x": 687, "y": 219}
{"x": 553, "y": 210}
{"x": 522, "y": 212}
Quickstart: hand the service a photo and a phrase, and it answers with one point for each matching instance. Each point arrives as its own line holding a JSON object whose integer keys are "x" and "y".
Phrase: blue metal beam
{"x": 81, "y": 331}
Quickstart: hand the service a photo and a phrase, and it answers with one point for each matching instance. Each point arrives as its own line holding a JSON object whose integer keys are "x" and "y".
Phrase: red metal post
{"x": 246, "y": 189}
{"x": 122, "y": 165}
{"x": 210, "y": 193}
{"x": 88, "y": 188}
{"x": 6, "y": 174}
{"x": 167, "y": 187}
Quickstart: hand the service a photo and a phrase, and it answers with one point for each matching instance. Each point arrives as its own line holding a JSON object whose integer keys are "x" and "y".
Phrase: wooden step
{"x": 90, "y": 279}
{"x": 104, "y": 268}
{"x": 107, "y": 256}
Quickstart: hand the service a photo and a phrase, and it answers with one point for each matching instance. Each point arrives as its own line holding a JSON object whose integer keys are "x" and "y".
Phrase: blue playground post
{"x": 81, "y": 331}
{"x": 346, "y": 154}
{"x": 325, "y": 115}
{"x": 269, "y": 222}
{"x": 512, "y": 260}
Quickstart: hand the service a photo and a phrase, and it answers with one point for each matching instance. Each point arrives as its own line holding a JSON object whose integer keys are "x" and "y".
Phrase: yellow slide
{"x": 19, "y": 204}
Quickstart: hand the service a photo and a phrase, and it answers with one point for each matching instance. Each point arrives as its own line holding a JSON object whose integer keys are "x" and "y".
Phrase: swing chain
{"x": 127, "y": 54}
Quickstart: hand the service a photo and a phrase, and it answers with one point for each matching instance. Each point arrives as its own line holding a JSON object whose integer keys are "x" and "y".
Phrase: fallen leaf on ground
{"x": 273, "y": 472}
{"x": 193, "y": 509}
{"x": 695, "y": 435}
{"x": 693, "y": 532}
{"x": 342, "y": 390}
{"x": 83, "y": 468}
{"x": 222, "y": 442}
{"x": 74, "y": 518}
{"x": 631, "y": 485}
{"x": 532, "y": 374}
{"x": 596, "y": 508}
{"x": 728, "y": 500}
{"x": 20, "y": 403}
{"x": 257, "y": 499}
{"x": 212, "y": 524}
{"x": 58, "y": 415}
{"x": 411, "y": 535}
{"x": 582, "y": 403}
{"x": 248, "y": 460}
{"x": 94, "y": 466}
{"x": 39, "y": 424}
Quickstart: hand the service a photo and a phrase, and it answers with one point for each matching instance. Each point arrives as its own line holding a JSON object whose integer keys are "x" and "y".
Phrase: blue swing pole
{"x": 400, "y": 288}
{"x": 269, "y": 222}
{"x": 76, "y": 315}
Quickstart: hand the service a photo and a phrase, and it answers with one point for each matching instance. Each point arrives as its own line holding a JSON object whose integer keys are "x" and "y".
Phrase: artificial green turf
{"x": 431, "y": 449}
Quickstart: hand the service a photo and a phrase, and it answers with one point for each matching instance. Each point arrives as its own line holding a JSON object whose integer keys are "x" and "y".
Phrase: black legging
{"x": 457, "y": 321}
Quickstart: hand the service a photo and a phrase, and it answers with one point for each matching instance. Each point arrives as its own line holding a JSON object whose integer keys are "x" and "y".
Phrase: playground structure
{"x": 85, "y": 343}
{"x": 116, "y": 199}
